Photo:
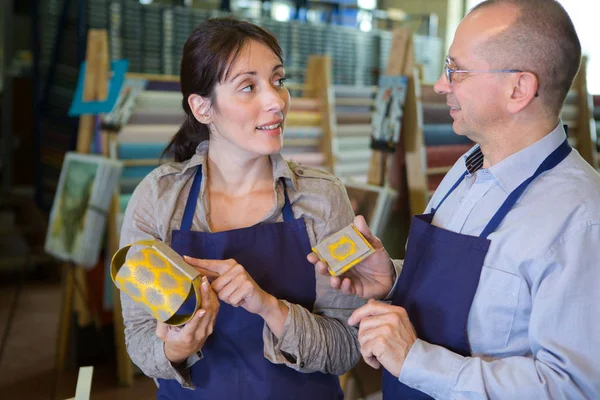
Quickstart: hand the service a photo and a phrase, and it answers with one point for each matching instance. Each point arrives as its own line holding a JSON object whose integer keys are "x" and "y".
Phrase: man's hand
{"x": 385, "y": 335}
{"x": 373, "y": 278}
{"x": 182, "y": 342}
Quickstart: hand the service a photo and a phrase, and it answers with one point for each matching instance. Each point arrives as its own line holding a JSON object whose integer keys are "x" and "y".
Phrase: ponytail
{"x": 183, "y": 145}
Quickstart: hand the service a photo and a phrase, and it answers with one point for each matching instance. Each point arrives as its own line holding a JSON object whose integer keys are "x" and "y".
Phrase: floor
{"x": 27, "y": 363}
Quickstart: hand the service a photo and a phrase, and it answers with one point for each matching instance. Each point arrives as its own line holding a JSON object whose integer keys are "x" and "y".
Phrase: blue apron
{"x": 234, "y": 365}
{"x": 440, "y": 277}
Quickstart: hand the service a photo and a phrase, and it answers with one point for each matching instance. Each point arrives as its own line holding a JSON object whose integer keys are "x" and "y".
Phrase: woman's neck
{"x": 235, "y": 174}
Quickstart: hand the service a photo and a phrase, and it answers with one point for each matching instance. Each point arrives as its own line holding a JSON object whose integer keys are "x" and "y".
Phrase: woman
{"x": 247, "y": 219}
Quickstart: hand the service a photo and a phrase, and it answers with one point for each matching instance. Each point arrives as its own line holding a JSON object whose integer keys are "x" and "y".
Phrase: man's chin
{"x": 457, "y": 128}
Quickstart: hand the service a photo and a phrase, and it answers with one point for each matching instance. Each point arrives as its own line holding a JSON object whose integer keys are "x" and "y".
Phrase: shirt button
{"x": 300, "y": 172}
{"x": 301, "y": 364}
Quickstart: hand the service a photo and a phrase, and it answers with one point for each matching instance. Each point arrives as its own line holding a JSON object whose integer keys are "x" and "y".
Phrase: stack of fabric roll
{"x": 351, "y": 143}
{"x": 442, "y": 146}
{"x": 303, "y": 135}
{"x": 156, "y": 115}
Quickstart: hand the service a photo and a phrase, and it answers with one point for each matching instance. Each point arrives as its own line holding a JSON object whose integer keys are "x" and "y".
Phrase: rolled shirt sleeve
{"x": 321, "y": 340}
{"x": 143, "y": 346}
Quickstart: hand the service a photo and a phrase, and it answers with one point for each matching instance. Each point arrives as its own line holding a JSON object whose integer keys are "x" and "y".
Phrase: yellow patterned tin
{"x": 343, "y": 250}
{"x": 158, "y": 278}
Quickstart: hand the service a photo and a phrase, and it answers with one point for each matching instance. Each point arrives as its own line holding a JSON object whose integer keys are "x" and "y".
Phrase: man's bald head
{"x": 541, "y": 39}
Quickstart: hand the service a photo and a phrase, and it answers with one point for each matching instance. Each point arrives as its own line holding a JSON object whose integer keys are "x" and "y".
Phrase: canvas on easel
{"x": 387, "y": 117}
{"x": 389, "y": 103}
{"x": 80, "y": 208}
{"x": 372, "y": 202}
{"x": 75, "y": 296}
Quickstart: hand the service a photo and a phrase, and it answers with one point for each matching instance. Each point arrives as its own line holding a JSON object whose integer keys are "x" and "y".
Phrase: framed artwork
{"x": 80, "y": 208}
{"x": 387, "y": 117}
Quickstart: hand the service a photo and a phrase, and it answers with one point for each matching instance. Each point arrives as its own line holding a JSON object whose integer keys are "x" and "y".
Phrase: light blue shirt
{"x": 534, "y": 325}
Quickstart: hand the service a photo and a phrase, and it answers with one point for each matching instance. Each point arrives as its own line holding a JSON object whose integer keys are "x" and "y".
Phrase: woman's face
{"x": 250, "y": 105}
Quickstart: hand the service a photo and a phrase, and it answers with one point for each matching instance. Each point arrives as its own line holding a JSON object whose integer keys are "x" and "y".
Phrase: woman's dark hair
{"x": 208, "y": 55}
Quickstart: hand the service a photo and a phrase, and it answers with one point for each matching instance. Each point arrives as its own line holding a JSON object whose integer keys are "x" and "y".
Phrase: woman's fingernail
{"x": 186, "y": 257}
{"x": 204, "y": 280}
{"x": 201, "y": 313}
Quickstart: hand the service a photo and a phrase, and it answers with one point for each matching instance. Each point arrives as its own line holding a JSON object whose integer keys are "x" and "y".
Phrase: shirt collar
{"x": 515, "y": 169}
{"x": 281, "y": 168}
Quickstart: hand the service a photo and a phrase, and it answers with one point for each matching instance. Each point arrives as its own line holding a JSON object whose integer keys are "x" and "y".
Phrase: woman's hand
{"x": 182, "y": 342}
{"x": 235, "y": 286}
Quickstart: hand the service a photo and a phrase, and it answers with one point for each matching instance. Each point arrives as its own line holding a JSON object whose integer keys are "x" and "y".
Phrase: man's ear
{"x": 524, "y": 91}
{"x": 200, "y": 107}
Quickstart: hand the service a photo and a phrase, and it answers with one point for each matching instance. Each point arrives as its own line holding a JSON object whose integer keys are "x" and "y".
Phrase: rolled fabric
{"x": 441, "y": 134}
{"x": 299, "y": 104}
{"x": 123, "y": 201}
{"x": 354, "y": 91}
{"x": 160, "y": 117}
{"x": 353, "y": 118}
{"x": 353, "y": 109}
{"x": 428, "y": 95}
{"x": 158, "y": 278}
{"x": 138, "y": 172}
{"x": 148, "y": 133}
{"x": 303, "y": 118}
{"x": 436, "y": 113}
{"x": 141, "y": 150}
{"x": 445, "y": 155}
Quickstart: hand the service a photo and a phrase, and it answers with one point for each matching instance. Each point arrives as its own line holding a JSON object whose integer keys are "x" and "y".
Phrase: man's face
{"x": 477, "y": 101}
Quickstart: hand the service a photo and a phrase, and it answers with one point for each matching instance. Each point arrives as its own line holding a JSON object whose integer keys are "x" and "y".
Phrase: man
{"x": 499, "y": 293}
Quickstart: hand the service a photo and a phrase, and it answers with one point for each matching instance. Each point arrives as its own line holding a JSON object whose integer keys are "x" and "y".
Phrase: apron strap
{"x": 460, "y": 179}
{"x": 550, "y": 162}
{"x": 190, "y": 205}
{"x": 288, "y": 214}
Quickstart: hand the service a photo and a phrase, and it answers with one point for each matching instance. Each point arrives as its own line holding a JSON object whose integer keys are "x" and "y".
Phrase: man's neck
{"x": 512, "y": 138}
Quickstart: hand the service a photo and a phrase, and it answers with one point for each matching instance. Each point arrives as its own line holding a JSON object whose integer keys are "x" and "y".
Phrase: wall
{"x": 449, "y": 12}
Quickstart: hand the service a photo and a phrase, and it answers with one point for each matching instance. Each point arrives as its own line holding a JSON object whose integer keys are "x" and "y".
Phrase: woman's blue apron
{"x": 234, "y": 365}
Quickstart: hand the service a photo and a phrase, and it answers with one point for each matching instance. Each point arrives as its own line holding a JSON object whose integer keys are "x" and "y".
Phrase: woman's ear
{"x": 200, "y": 107}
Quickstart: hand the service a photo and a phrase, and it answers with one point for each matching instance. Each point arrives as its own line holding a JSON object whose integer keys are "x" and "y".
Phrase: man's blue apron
{"x": 440, "y": 277}
{"x": 234, "y": 366}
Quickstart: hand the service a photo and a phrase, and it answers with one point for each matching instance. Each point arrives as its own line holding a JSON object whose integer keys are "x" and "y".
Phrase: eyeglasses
{"x": 449, "y": 71}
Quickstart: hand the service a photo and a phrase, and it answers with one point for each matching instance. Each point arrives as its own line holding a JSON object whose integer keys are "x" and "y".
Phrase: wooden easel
{"x": 95, "y": 89}
{"x": 586, "y": 126}
{"x": 318, "y": 84}
{"x": 402, "y": 62}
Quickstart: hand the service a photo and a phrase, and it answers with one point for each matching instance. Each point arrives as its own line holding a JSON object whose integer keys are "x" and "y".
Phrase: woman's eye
{"x": 281, "y": 82}
{"x": 248, "y": 89}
